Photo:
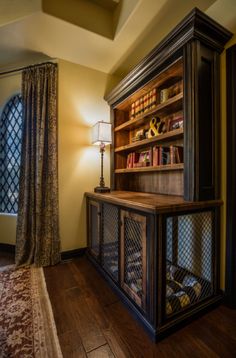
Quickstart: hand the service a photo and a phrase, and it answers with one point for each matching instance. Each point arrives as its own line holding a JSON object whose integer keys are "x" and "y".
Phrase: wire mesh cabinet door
{"x": 190, "y": 260}
{"x": 110, "y": 240}
{"x": 94, "y": 219}
{"x": 133, "y": 265}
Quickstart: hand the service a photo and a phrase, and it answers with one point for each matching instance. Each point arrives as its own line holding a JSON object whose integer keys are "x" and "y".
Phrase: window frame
{"x": 11, "y": 126}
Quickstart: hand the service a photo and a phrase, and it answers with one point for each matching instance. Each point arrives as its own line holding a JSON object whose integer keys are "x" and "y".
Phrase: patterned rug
{"x": 27, "y": 327}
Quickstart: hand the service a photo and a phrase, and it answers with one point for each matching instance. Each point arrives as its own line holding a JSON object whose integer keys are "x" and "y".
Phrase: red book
{"x": 160, "y": 156}
{"x": 179, "y": 154}
{"x": 155, "y": 156}
{"x": 128, "y": 161}
{"x": 172, "y": 157}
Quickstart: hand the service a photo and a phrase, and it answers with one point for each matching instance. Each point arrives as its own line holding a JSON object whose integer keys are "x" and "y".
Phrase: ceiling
{"x": 106, "y": 35}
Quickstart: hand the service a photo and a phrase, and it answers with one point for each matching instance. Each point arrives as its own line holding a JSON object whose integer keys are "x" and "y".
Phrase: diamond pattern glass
{"x": 10, "y": 154}
{"x": 189, "y": 255}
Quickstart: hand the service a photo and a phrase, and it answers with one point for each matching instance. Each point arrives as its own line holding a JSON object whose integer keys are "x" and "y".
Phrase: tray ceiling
{"x": 107, "y": 35}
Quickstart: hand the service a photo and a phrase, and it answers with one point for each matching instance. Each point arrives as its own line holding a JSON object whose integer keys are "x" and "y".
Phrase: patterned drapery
{"x": 37, "y": 236}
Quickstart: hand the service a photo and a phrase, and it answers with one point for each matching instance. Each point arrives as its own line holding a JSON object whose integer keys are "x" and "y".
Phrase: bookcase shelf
{"x": 171, "y": 104}
{"x": 177, "y": 133}
{"x": 158, "y": 168}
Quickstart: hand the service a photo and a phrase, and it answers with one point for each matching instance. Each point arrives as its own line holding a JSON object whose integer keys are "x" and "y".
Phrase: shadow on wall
{"x": 111, "y": 82}
{"x": 22, "y": 58}
{"x": 166, "y": 19}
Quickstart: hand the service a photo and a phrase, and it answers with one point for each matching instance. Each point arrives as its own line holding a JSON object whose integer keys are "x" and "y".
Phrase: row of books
{"x": 139, "y": 159}
{"x": 163, "y": 155}
{"x": 153, "y": 97}
{"x": 155, "y": 156}
{"x": 144, "y": 103}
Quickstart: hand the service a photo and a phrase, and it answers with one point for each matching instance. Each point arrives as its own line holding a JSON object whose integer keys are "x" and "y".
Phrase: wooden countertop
{"x": 155, "y": 203}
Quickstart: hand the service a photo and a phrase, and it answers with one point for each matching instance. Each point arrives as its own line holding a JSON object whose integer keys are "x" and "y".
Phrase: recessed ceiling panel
{"x": 107, "y": 4}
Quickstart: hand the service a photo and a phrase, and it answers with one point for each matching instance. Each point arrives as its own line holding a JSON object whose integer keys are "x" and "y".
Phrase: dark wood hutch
{"x": 155, "y": 237}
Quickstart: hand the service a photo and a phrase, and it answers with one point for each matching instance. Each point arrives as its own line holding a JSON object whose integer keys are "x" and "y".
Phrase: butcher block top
{"x": 155, "y": 203}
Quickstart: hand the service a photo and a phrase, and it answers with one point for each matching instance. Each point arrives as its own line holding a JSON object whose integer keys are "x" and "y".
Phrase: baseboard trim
{"x": 7, "y": 248}
{"x": 65, "y": 255}
{"x": 68, "y": 255}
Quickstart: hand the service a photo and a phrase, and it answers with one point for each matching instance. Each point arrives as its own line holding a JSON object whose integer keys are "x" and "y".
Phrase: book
{"x": 155, "y": 159}
{"x": 160, "y": 156}
{"x": 172, "y": 154}
{"x": 179, "y": 154}
{"x": 166, "y": 155}
{"x": 135, "y": 159}
{"x": 128, "y": 162}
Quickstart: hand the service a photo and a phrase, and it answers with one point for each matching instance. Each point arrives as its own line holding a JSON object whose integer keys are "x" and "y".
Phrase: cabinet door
{"x": 94, "y": 214}
{"x": 110, "y": 240}
{"x": 133, "y": 256}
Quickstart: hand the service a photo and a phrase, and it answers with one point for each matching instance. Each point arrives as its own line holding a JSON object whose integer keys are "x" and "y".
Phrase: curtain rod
{"x": 19, "y": 69}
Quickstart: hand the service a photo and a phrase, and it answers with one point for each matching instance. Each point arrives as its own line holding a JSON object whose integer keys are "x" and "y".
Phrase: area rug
{"x": 27, "y": 327}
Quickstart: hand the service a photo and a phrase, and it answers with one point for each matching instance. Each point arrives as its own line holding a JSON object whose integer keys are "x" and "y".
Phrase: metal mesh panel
{"x": 10, "y": 151}
{"x": 110, "y": 246}
{"x": 169, "y": 229}
{"x": 189, "y": 267}
{"x": 94, "y": 230}
{"x": 133, "y": 265}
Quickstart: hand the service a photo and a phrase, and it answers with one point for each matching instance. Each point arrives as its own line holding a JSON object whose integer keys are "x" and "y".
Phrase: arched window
{"x": 10, "y": 152}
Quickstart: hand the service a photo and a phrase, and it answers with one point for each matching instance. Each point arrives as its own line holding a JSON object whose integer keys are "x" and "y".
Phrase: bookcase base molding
{"x": 161, "y": 260}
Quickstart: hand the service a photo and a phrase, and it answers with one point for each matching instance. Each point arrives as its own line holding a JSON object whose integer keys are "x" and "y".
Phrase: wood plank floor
{"x": 92, "y": 322}
{"x": 6, "y": 258}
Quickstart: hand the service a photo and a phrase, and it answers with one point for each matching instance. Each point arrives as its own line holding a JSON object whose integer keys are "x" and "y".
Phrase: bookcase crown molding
{"x": 195, "y": 26}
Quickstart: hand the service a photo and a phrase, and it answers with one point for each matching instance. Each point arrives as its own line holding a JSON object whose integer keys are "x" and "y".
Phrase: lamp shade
{"x": 101, "y": 133}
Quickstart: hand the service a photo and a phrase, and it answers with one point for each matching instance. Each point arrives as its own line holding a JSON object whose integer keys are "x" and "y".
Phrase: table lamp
{"x": 101, "y": 135}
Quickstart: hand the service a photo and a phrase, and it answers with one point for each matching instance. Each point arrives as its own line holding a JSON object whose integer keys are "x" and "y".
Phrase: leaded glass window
{"x": 10, "y": 153}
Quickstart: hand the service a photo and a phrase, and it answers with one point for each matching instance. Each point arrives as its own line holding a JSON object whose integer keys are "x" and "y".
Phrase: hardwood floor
{"x": 6, "y": 258}
{"x": 92, "y": 322}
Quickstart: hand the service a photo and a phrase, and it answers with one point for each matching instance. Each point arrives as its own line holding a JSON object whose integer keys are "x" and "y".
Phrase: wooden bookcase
{"x": 189, "y": 54}
{"x": 160, "y": 223}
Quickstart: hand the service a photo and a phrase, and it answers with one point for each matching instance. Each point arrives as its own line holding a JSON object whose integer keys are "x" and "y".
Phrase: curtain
{"x": 37, "y": 234}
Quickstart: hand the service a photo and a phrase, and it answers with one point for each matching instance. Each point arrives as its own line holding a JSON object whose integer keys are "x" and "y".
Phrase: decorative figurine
{"x": 154, "y": 127}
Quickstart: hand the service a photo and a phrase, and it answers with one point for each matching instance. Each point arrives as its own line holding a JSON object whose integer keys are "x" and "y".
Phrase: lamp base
{"x": 102, "y": 189}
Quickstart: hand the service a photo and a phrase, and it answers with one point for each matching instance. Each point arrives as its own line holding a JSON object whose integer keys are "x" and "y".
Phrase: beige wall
{"x": 223, "y": 158}
{"x": 81, "y": 105}
{"x": 9, "y": 85}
